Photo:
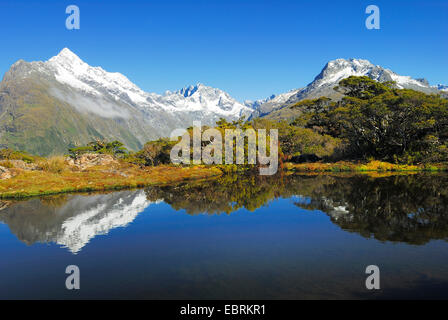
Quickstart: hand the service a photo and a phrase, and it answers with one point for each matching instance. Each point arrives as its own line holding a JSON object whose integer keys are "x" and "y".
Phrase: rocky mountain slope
{"x": 336, "y": 70}
{"x": 46, "y": 107}
{"x": 265, "y": 106}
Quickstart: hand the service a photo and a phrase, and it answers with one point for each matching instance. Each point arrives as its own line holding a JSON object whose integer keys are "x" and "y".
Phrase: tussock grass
{"x": 55, "y": 164}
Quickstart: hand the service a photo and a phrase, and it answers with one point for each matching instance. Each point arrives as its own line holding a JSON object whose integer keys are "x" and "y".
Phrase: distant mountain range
{"x": 333, "y": 72}
{"x": 46, "y": 107}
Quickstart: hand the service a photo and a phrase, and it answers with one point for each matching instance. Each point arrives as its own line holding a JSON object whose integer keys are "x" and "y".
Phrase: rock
{"x": 5, "y": 173}
{"x": 70, "y": 161}
{"x": 88, "y": 160}
{"x": 20, "y": 164}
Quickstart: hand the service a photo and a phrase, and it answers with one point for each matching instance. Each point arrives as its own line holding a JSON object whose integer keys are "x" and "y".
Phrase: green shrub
{"x": 115, "y": 148}
{"x": 9, "y": 154}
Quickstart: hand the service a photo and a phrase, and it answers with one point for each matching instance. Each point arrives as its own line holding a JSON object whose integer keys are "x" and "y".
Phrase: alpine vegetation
{"x": 208, "y": 145}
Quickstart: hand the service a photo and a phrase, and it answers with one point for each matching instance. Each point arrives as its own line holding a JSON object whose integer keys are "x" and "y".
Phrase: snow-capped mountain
{"x": 94, "y": 103}
{"x": 265, "y": 106}
{"x": 336, "y": 70}
{"x": 254, "y": 104}
{"x": 207, "y": 100}
{"x": 69, "y": 69}
{"x": 339, "y": 69}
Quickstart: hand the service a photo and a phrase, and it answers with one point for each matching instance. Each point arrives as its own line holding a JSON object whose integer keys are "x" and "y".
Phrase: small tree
{"x": 115, "y": 148}
{"x": 156, "y": 152}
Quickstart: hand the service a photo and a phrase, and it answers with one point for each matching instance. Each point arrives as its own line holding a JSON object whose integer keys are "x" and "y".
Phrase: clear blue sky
{"x": 248, "y": 48}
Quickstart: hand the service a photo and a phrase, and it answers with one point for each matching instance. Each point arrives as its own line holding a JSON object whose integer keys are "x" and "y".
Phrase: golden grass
{"x": 371, "y": 166}
{"x": 55, "y": 164}
{"x": 33, "y": 183}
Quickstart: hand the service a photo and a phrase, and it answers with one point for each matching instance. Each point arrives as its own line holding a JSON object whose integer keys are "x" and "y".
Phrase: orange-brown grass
{"x": 55, "y": 164}
{"x": 34, "y": 183}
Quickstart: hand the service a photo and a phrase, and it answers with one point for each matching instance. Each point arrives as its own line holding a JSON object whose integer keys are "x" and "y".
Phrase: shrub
{"x": 115, "y": 148}
{"x": 155, "y": 153}
{"x": 7, "y": 164}
{"x": 9, "y": 154}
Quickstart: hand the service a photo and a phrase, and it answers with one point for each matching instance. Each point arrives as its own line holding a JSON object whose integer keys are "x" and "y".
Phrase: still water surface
{"x": 294, "y": 237}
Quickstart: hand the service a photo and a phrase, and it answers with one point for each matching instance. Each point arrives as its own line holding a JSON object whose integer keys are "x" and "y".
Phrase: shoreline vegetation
{"x": 374, "y": 129}
{"x": 119, "y": 175}
{"x": 364, "y": 167}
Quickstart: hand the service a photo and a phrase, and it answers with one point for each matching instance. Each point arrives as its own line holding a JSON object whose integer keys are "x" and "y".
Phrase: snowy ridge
{"x": 205, "y": 99}
{"x": 339, "y": 69}
{"x": 274, "y": 99}
{"x": 333, "y": 72}
{"x": 336, "y": 70}
{"x": 265, "y": 106}
{"x": 70, "y": 70}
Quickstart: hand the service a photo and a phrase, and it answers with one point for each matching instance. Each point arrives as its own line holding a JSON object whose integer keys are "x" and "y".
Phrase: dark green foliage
{"x": 382, "y": 122}
{"x": 154, "y": 153}
{"x": 295, "y": 140}
{"x": 114, "y": 148}
{"x": 362, "y": 87}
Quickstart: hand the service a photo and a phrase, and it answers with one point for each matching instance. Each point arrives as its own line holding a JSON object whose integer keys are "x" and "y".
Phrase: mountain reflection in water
{"x": 409, "y": 208}
{"x": 72, "y": 220}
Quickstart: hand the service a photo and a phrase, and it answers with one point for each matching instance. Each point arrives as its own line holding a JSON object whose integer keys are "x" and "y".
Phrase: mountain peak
{"x": 352, "y": 63}
{"x": 66, "y": 55}
{"x": 190, "y": 90}
{"x": 338, "y": 69}
{"x": 66, "y": 52}
{"x": 67, "y": 60}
